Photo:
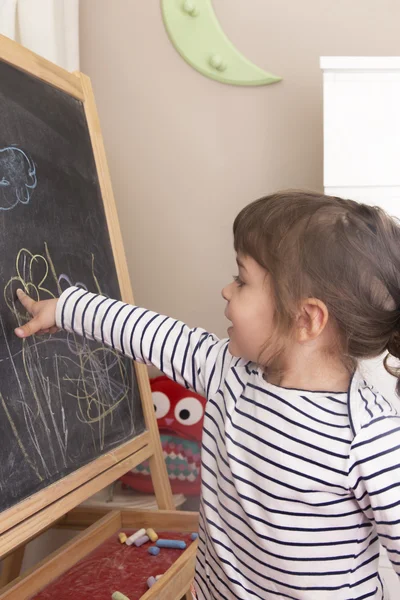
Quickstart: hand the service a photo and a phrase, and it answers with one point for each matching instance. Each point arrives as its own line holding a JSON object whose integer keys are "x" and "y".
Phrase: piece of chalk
{"x": 158, "y": 577}
{"x": 142, "y": 540}
{"x": 171, "y": 544}
{"x": 151, "y": 581}
{"x": 152, "y": 535}
{"x": 119, "y": 596}
{"x": 194, "y": 536}
{"x": 135, "y": 536}
{"x": 122, "y": 538}
{"x": 153, "y": 550}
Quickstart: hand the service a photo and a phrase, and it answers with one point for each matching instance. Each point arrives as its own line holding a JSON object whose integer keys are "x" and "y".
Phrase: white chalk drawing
{"x": 17, "y": 177}
{"x": 95, "y": 379}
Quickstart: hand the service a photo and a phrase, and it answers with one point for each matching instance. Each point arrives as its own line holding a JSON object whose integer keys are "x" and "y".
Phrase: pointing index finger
{"x": 26, "y": 301}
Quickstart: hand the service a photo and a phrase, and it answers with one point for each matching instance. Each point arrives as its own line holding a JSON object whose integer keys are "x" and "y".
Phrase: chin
{"x": 234, "y": 350}
{"x": 237, "y": 353}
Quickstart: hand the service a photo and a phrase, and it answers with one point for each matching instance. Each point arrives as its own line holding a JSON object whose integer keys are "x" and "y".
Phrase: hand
{"x": 44, "y": 316}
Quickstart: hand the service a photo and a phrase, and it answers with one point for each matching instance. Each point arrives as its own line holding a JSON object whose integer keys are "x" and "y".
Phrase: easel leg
{"x": 11, "y": 566}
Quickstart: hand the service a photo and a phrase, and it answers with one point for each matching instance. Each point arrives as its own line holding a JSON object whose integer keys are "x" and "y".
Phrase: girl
{"x": 301, "y": 456}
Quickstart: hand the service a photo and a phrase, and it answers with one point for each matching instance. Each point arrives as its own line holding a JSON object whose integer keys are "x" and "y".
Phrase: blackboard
{"x": 64, "y": 401}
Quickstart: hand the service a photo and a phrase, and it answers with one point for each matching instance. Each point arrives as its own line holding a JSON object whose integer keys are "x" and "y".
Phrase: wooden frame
{"x": 173, "y": 585}
{"x": 31, "y": 516}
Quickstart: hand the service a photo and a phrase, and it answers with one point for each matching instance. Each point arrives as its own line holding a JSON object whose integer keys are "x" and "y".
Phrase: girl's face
{"x": 250, "y": 308}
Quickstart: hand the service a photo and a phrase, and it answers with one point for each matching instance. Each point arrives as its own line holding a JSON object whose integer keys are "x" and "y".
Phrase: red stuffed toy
{"x": 180, "y": 414}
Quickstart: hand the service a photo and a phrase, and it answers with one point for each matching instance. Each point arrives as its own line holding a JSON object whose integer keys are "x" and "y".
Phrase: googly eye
{"x": 188, "y": 411}
{"x": 161, "y": 404}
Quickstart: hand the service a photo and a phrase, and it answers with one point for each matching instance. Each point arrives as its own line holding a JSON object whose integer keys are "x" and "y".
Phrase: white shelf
{"x": 355, "y": 63}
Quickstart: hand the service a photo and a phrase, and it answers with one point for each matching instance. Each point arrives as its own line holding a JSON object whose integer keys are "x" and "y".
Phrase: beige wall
{"x": 186, "y": 153}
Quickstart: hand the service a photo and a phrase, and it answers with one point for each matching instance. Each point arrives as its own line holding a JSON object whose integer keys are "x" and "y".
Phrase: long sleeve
{"x": 374, "y": 477}
{"x": 186, "y": 355}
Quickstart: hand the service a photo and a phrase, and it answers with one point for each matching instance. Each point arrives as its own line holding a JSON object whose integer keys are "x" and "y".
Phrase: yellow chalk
{"x": 152, "y": 535}
{"x": 119, "y": 596}
{"x": 122, "y": 538}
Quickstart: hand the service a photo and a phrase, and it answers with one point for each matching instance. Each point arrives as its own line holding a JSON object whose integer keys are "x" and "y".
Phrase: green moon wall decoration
{"x": 197, "y": 35}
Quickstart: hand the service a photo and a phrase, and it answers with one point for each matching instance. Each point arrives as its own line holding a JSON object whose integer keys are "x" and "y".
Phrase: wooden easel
{"x": 26, "y": 520}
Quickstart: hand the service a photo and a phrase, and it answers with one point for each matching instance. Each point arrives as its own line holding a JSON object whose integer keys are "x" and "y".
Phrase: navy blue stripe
{"x": 261, "y": 474}
{"x": 84, "y": 314}
{"x": 113, "y": 325}
{"x": 376, "y": 474}
{"x": 198, "y": 577}
{"x": 260, "y": 562}
{"x": 264, "y": 489}
{"x": 305, "y": 558}
{"x": 176, "y": 344}
{"x": 210, "y": 348}
{"x": 296, "y": 423}
{"x": 299, "y": 457}
{"x": 308, "y": 416}
{"x": 95, "y": 314}
{"x": 218, "y": 590}
{"x": 204, "y": 336}
{"x": 104, "y": 318}
{"x": 185, "y": 354}
{"x": 376, "y": 401}
{"x": 279, "y": 541}
{"x": 239, "y": 583}
{"x": 291, "y": 437}
{"x": 284, "y": 527}
{"x": 265, "y": 507}
{"x": 210, "y": 380}
{"x": 231, "y": 393}
{"x": 74, "y": 291}
{"x": 343, "y": 403}
{"x": 362, "y": 461}
{"x": 223, "y": 364}
{"x": 376, "y": 437}
{"x": 127, "y": 319}
{"x": 388, "y": 403}
{"x": 133, "y": 331}
{"x": 174, "y": 324}
{"x": 378, "y": 420}
{"x": 352, "y": 427}
{"x": 366, "y": 404}
{"x": 74, "y": 309}
{"x": 323, "y": 408}
{"x": 389, "y": 537}
{"x": 365, "y": 596}
{"x": 145, "y": 328}
{"x": 238, "y": 378}
{"x": 265, "y": 459}
{"x": 155, "y": 337}
{"x": 294, "y": 587}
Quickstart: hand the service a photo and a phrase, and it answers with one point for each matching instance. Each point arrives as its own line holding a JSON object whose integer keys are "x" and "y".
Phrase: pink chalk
{"x": 142, "y": 540}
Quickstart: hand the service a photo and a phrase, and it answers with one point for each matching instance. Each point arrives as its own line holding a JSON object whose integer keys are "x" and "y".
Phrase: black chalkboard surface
{"x": 64, "y": 401}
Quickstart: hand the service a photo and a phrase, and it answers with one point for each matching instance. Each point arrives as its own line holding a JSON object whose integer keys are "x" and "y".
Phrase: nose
{"x": 225, "y": 292}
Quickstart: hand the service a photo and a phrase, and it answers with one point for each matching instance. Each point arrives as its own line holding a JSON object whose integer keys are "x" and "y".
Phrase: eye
{"x": 188, "y": 411}
{"x": 237, "y": 280}
{"x": 161, "y": 404}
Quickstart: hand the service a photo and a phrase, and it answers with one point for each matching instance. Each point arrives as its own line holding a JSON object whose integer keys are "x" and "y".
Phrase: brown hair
{"x": 342, "y": 252}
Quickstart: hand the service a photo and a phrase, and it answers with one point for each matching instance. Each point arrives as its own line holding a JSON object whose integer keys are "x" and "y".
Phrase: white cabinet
{"x": 362, "y": 144}
{"x": 362, "y": 162}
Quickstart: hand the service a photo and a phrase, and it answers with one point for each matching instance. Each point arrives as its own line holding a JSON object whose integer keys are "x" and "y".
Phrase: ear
{"x": 312, "y": 320}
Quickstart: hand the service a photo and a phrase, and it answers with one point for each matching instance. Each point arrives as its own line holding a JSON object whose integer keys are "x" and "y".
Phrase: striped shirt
{"x": 298, "y": 487}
